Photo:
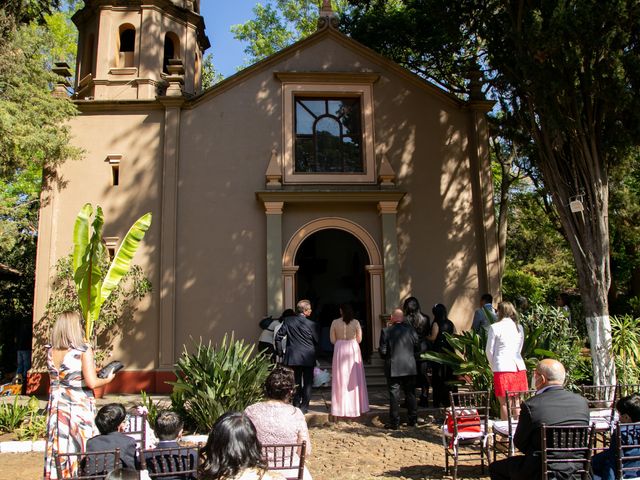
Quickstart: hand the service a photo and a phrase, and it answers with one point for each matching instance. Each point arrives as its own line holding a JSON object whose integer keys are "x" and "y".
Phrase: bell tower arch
{"x": 127, "y": 48}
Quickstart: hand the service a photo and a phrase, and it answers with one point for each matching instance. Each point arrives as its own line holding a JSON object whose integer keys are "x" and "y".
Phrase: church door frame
{"x": 374, "y": 269}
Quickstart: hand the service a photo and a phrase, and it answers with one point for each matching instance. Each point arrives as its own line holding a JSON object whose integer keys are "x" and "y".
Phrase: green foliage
{"x": 153, "y": 407}
{"x": 625, "y": 337}
{"x": 12, "y": 415}
{"x": 116, "y": 312}
{"x": 277, "y": 24}
{"x": 209, "y": 74}
{"x": 34, "y": 425}
{"x": 215, "y": 380}
{"x": 89, "y": 252}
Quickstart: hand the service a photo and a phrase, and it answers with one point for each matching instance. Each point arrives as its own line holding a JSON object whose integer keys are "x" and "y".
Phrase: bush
{"x": 12, "y": 415}
{"x": 25, "y": 420}
{"x": 625, "y": 339}
{"x": 212, "y": 381}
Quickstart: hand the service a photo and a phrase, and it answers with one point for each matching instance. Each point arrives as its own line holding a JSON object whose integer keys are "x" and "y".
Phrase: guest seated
{"x": 275, "y": 419}
{"x": 604, "y": 464}
{"x": 233, "y": 451}
{"x": 552, "y": 405}
{"x": 123, "y": 474}
{"x": 168, "y": 428}
{"x": 110, "y": 423}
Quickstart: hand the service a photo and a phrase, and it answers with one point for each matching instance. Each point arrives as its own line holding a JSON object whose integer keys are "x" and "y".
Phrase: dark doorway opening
{"x": 331, "y": 272}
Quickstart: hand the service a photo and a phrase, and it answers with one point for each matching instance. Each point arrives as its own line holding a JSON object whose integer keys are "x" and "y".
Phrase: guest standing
{"x": 275, "y": 419}
{"x": 302, "y": 341}
{"x": 71, "y": 408}
{"x": 504, "y": 346}
{"x": 485, "y": 315}
{"x": 399, "y": 344}
{"x": 442, "y": 374}
{"x": 233, "y": 451}
{"x": 420, "y": 322}
{"x": 349, "y": 396}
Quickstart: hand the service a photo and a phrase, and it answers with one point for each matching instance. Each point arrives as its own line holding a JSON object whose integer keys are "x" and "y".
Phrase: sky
{"x": 219, "y": 15}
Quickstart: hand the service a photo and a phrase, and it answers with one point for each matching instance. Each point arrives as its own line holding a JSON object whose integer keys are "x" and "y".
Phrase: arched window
{"x": 127, "y": 46}
{"x": 171, "y": 49}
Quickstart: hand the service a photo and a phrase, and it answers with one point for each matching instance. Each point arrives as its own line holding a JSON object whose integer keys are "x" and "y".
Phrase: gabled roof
{"x": 328, "y": 31}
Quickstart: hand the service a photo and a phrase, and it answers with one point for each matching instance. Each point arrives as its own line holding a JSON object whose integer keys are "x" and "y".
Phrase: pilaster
{"x": 388, "y": 213}
{"x": 273, "y": 211}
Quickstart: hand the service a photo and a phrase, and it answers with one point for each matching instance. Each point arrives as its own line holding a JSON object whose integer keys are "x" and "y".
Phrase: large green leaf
{"x": 124, "y": 256}
{"x": 81, "y": 235}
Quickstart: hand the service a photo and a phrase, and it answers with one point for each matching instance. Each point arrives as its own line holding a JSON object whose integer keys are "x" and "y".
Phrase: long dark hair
{"x": 413, "y": 315}
{"x": 232, "y": 446}
{"x": 347, "y": 312}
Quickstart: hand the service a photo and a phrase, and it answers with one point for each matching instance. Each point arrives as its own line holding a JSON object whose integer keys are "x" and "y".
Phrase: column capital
{"x": 387, "y": 207}
{"x": 273, "y": 208}
{"x": 374, "y": 269}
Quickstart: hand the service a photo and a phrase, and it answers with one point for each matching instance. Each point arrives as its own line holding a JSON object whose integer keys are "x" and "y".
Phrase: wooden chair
{"x": 467, "y": 433}
{"x": 136, "y": 428}
{"x": 566, "y": 447}
{"x": 90, "y": 465}
{"x": 180, "y": 462}
{"x": 627, "y": 437}
{"x": 602, "y": 403}
{"x": 503, "y": 430}
{"x": 287, "y": 459}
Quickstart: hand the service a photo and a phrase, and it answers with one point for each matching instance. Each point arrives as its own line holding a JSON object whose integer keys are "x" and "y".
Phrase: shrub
{"x": 152, "y": 408}
{"x": 34, "y": 425}
{"x": 215, "y": 380}
{"x": 13, "y": 414}
{"x": 625, "y": 339}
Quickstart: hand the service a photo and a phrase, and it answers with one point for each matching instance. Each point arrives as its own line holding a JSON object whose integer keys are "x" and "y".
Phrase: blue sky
{"x": 219, "y": 15}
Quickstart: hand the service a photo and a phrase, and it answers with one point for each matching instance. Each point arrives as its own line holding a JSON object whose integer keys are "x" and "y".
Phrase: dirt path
{"x": 341, "y": 451}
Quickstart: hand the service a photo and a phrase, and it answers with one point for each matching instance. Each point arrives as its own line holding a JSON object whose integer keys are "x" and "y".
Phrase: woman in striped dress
{"x": 71, "y": 408}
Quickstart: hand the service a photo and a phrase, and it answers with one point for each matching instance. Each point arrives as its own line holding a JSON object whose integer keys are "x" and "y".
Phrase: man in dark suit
{"x": 302, "y": 340}
{"x": 552, "y": 405}
{"x": 168, "y": 428}
{"x": 399, "y": 344}
{"x": 110, "y": 422}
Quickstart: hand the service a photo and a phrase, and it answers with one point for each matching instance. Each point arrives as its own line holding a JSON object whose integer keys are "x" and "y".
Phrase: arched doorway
{"x": 331, "y": 271}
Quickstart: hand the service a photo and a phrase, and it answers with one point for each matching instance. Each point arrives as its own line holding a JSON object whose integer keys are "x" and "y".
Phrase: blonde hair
{"x": 506, "y": 309}
{"x": 67, "y": 331}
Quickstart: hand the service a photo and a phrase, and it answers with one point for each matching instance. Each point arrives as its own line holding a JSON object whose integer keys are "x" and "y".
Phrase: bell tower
{"x": 127, "y": 48}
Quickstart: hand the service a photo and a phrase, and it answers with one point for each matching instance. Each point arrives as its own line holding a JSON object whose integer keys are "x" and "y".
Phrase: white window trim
{"x": 310, "y": 89}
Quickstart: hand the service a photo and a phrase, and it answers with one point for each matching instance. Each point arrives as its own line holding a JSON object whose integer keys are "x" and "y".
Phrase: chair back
{"x": 172, "y": 462}
{"x": 513, "y": 401}
{"x": 286, "y": 456}
{"x": 599, "y": 397}
{"x": 136, "y": 428}
{"x": 628, "y": 449}
{"x": 470, "y": 411}
{"x": 89, "y": 465}
{"x": 566, "y": 448}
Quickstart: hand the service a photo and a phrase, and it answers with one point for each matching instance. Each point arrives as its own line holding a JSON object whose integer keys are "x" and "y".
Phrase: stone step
{"x": 373, "y": 370}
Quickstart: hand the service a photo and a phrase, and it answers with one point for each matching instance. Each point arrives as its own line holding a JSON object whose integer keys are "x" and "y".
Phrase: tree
{"x": 570, "y": 72}
{"x": 277, "y": 25}
{"x": 209, "y": 74}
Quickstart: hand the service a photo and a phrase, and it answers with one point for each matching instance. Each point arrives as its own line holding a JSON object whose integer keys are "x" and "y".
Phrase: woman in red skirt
{"x": 504, "y": 345}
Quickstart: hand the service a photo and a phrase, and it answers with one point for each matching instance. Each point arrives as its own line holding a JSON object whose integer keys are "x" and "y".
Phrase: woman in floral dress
{"x": 71, "y": 408}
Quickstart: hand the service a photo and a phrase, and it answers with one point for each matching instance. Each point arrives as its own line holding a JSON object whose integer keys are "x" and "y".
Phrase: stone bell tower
{"x": 127, "y": 48}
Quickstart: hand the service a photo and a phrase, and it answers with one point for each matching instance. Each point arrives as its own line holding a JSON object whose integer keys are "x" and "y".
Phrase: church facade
{"x": 324, "y": 172}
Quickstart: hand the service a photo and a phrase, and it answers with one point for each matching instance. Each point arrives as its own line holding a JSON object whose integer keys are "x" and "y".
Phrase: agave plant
{"x": 92, "y": 285}
{"x": 215, "y": 380}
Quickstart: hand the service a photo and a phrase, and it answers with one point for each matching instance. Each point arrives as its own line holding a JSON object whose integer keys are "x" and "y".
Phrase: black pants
{"x": 408, "y": 386}
{"x": 304, "y": 382}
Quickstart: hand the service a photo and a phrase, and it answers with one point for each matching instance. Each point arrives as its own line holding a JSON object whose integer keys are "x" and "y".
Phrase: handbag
{"x": 468, "y": 420}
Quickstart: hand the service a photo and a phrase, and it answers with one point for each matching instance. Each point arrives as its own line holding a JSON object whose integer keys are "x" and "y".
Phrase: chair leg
{"x": 455, "y": 463}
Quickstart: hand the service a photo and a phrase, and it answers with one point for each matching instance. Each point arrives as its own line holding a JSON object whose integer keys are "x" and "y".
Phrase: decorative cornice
{"x": 327, "y": 77}
{"x": 90, "y": 106}
{"x": 331, "y": 196}
{"x": 483, "y": 106}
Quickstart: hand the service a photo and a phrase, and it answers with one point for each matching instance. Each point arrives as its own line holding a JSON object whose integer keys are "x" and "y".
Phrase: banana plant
{"x": 92, "y": 285}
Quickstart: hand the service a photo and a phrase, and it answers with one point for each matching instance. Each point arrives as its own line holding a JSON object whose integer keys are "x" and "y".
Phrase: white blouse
{"x": 504, "y": 345}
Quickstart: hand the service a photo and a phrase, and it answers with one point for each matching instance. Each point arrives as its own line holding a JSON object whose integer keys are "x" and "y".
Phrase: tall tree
{"x": 570, "y": 71}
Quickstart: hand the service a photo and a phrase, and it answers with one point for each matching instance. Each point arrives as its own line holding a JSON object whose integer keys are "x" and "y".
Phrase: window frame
{"x": 357, "y": 86}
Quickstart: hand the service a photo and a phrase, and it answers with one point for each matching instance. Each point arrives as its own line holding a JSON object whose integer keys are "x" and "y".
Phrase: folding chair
{"x": 627, "y": 437}
{"x": 174, "y": 462}
{"x": 90, "y": 465}
{"x": 503, "y": 430}
{"x": 465, "y": 433}
{"x": 602, "y": 403}
{"x": 567, "y": 449}
{"x": 136, "y": 428}
{"x": 287, "y": 459}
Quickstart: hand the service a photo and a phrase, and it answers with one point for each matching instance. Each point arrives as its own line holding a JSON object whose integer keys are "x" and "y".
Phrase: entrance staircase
{"x": 373, "y": 370}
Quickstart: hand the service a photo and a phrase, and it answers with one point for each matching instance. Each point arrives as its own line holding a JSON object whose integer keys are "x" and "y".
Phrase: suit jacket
{"x": 399, "y": 344}
{"x": 302, "y": 340}
{"x": 187, "y": 461}
{"x": 111, "y": 441}
{"x": 483, "y": 317}
{"x": 554, "y": 406}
